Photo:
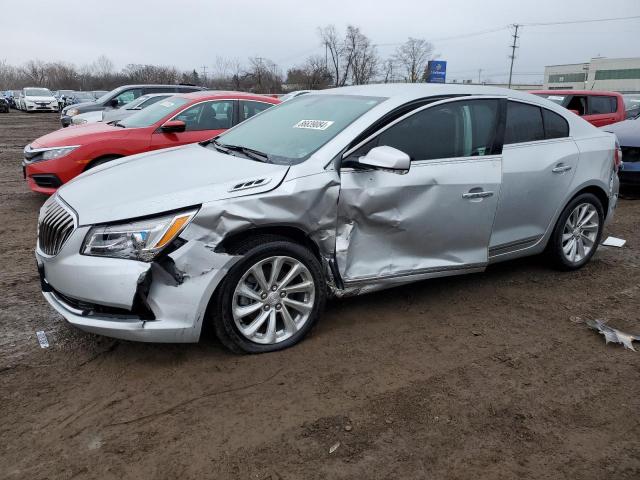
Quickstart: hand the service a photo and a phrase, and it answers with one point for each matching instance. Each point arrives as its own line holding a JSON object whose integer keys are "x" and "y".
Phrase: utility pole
{"x": 513, "y": 51}
{"x": 204, "y": 74}
{"x": 479, "y": 75}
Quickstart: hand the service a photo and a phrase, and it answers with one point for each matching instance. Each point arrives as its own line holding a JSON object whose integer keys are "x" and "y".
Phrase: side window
{"x": 554, "y": 125}
{"x": 456, "y": 129}
{"x": 208, "y": 116}
{"x": 524, "y": 123}
{"x": 248, "y": 109}
{"x": 599, "y": 104}
{"x": 578, "y": 103}
{"x": 128, "y": 96}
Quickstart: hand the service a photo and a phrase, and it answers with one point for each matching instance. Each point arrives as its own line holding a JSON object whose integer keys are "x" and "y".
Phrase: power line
{"x": 570, "y": 22}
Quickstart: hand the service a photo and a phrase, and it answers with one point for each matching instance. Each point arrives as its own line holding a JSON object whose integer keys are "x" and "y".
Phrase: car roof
{"x": 212, "y": 94}
{"x": 415, "y": 91}
{"x": 574, "y": 92}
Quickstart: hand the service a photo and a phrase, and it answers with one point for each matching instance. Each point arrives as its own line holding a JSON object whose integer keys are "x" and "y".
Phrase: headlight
{"x": 72, "y": 111}
{"x": 141, "y": 240}
{"x": 57, "y": 152}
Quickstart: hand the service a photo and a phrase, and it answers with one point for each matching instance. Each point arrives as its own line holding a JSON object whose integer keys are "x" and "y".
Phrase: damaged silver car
{"x": 333, "y": 193}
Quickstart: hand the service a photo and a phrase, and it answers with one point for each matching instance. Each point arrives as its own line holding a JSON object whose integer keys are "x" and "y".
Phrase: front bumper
{"x": 99, "y": 295}
{"x": 629, "y": 174}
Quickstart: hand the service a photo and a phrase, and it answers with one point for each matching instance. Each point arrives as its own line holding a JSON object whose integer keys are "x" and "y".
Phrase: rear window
{"x": 559, "y": 99}
{"x": 524, "y": 123}
{"x": 555, "y": 126}
{"x": 599, "y": 104}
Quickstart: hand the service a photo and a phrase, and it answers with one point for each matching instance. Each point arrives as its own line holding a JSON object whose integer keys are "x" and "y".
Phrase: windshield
{"x": 107, "y": 95}
{"x": 292, "y": 131}
{"x": 37, "y": 92}
{"x": 156, "y": 112}
{"x": 559, "y": 99}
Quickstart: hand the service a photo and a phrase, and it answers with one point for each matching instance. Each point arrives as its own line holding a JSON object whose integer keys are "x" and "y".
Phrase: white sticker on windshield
{"x": 555, "y": 97}
{"x": 167, "y": 104}
{"x": 314, "y": 124}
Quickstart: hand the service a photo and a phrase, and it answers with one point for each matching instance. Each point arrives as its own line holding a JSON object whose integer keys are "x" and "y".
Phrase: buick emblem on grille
{"x": 55, "y": 227}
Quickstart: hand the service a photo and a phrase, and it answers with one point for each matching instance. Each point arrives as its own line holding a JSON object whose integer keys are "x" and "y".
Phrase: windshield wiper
{"x": 117, "y": 124}
{"x": 248, "y": 152}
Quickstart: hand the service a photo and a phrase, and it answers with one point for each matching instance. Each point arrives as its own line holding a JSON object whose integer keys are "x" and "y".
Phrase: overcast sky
{"x": 191, "y": 33}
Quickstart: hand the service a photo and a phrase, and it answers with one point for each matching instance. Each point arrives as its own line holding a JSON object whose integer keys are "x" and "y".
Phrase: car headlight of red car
{"x": 54, "y": 153}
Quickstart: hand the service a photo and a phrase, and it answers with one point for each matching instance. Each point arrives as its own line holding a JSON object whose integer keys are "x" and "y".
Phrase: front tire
{"x": 577, "y": 233}
{"x": 271, "y": 298}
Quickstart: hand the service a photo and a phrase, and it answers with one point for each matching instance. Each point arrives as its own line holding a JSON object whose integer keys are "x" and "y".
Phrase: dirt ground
{"x": 492, "y": 375}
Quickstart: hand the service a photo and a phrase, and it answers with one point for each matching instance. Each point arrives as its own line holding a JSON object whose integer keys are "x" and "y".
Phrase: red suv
{"x": 56, "y": 158}
{"x": 597, "y": 108}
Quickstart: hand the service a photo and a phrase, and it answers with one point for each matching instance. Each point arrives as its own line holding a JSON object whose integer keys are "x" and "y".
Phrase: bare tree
{"x": 334, "y": 47}
{"x": 413, "y": 56}
{"x": 312, "y": 75}
{"x": 361, "y": 56}
{"x": 34, "y": 70}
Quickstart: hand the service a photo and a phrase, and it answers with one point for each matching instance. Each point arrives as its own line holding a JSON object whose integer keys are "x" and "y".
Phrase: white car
{"x": 37, "y": 99}
{"x": 89, "y": 117}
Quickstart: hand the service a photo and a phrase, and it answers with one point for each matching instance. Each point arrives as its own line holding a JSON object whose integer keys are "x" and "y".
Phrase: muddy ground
{"x": 492, "y": 375}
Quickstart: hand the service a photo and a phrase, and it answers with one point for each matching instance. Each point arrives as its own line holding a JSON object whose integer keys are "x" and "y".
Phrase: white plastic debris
{"x": 42, "y": 338}
{"x": 334, "y": 447}
{"x": 614, "y": 242}
{"x": 612, "y": 335}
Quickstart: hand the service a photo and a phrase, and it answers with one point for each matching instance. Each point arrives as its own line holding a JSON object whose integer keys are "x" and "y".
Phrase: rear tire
{"x": 577, "y": 233}
{"x": 257, "y": 315}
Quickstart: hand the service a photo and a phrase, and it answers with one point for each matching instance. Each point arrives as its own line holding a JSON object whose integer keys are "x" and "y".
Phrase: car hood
{"x": 628, "y": 132}
{"x": 85, "y": 107}
{"x": 77, "y": 135}
{"x": 156, "y": 182}
{"x": 40, "y": 99}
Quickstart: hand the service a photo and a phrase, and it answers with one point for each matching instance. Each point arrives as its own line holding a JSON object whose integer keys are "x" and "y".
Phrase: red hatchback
{"x": 54, "y": 159}
{"x": 597, "y": 108}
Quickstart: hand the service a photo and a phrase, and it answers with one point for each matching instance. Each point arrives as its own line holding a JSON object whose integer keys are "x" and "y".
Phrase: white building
{"x": 615, "y": 74}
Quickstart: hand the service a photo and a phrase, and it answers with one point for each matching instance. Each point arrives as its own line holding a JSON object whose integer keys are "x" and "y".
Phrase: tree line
{"x": 350, "y": 58}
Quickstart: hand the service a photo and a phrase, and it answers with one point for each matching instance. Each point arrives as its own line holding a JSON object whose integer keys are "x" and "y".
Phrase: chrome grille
{"x": 55, "y": 227}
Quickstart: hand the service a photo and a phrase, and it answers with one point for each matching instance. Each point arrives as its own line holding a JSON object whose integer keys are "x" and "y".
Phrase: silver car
{"x": 333, "y": 193}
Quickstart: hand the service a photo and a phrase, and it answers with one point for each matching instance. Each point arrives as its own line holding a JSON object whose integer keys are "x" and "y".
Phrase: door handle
{"x": 561, "y": 168}
{"x": 482, "y": 194}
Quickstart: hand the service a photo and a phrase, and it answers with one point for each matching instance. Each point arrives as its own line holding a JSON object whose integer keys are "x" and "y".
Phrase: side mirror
{"x": 386, "y": 158}
{"x": 173, "y": 126}
{"x": 113, "y": 103}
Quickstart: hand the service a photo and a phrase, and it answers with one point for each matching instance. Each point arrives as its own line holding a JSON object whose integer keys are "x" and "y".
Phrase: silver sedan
{"x": 333, "y": 193}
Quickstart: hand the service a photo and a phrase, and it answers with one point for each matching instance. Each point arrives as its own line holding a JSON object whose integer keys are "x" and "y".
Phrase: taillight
{"x": 617, "y": 157}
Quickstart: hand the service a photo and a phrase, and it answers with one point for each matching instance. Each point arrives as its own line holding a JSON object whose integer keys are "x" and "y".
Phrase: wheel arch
{"x": 290, "y": 232}
{"x": 108, "y": 156}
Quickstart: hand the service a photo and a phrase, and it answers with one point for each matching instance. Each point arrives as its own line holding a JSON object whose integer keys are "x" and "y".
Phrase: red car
{"x": 597, "y": 108}
{"x": 54, "y": 159}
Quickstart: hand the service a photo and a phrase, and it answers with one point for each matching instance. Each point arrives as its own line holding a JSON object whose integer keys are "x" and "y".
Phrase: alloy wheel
{"x": 580, "y": 232}
{"x": 273, "y": 300}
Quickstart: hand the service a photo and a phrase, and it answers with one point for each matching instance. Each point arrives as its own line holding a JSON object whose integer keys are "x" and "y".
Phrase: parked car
{"x": 4, "y": 105}
{"x": 14, "y": 99}
{"x": 56, "y": 158}
{"x": 628, "y": 134}
{"x": 597, "y": 108}
{"x": 79, "y": 97}
{"x": 8, "y": 96}
{"x": 62, "y": 97}
{"x": 631, "y": 105}
{"x": 34, "y": 99}
{"x": 119, "y": 97}
{"x": 344, "y": 191}
{"x": 293, "y": 94}
{"x": 116, "y": 114}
